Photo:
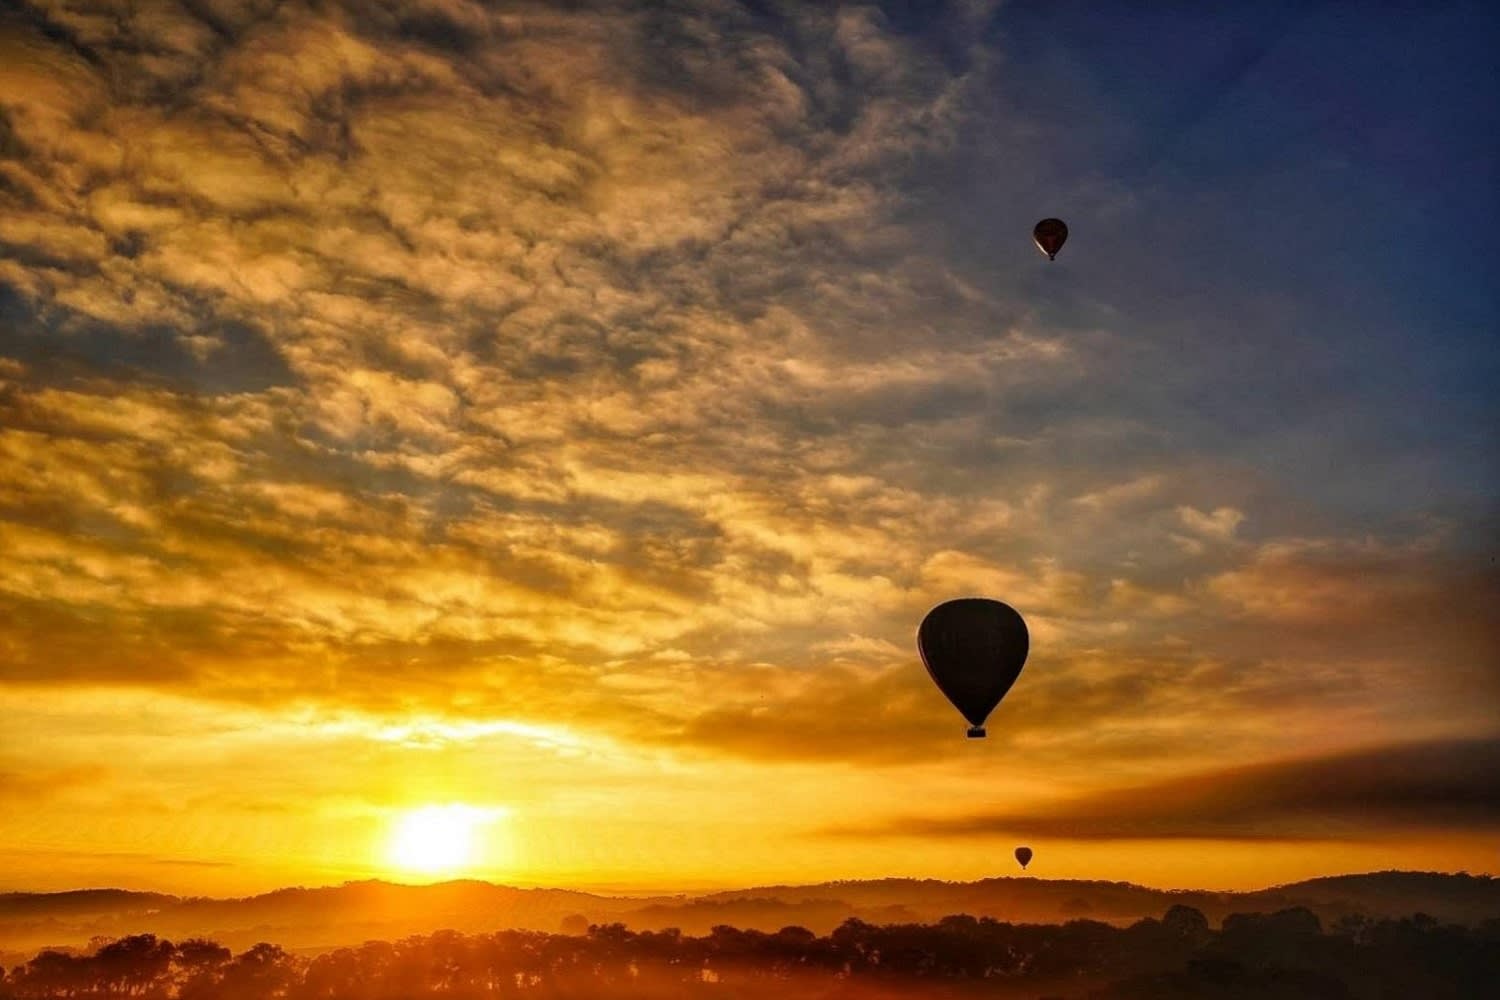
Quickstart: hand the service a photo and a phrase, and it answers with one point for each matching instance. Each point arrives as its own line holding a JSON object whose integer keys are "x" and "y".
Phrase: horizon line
{"x": 700, "y": 893}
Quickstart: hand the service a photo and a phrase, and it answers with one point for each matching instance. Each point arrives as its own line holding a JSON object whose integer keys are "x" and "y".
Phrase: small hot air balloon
{"x": 974, "y": 649}
{"x": 1023, "y": 855}
{"x": 1050, "y": 235}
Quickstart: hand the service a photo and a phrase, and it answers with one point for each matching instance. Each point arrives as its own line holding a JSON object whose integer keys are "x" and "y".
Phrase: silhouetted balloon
{"x": 974, "y": 649}
{"x": 1050, "y": 235}
{"x": 1023, "y": 855}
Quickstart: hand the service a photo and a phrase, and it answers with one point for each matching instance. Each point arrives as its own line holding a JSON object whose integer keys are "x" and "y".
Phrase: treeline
{"x": 1286, "y": 954}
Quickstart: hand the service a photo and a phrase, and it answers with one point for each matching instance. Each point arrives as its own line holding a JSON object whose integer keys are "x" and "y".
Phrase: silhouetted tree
{"x": 1186, "y": 923}
{"x": 134, "y": 966}
{"x": 263, "y": 971}
{"x": 56, "y": 973}
{"x": 1283, "y": 954}
{"x": 200, "y": 963}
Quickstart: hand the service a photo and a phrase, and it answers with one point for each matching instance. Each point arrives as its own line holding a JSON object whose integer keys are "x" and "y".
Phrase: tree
{"x": 263, "y": 971}
{"x": 136, "y": 966}
{"x": 1186, "y": 923}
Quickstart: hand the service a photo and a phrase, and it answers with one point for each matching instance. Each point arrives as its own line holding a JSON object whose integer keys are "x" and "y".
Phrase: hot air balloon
{"x": 974, "y": 649}
{"x": 1023, "y": 855}
{"x": 1050, "y": 235}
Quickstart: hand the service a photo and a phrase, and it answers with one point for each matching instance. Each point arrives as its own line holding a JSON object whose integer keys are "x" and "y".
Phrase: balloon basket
{"x": 976, "y": 732}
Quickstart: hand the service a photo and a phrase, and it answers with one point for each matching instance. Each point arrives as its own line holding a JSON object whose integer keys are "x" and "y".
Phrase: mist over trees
{"x": 1288, "y": 954}
{"x": 351, "y": 914}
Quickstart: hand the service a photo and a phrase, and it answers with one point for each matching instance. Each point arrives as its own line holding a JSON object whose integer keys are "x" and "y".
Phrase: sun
{"x": 437, "y": 839}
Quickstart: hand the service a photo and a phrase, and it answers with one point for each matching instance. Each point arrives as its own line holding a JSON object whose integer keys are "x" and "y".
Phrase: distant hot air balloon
{"x": 974, "y": 649}
{"x": 1023, "y": 855}
{"x": 1050, "y": 235}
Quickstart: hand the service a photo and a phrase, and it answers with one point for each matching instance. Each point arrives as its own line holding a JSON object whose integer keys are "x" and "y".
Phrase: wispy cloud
{"x": 1357, "y": 795}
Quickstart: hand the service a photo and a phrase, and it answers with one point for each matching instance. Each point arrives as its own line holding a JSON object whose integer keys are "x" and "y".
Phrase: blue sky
{"x": 1289, "y": 204}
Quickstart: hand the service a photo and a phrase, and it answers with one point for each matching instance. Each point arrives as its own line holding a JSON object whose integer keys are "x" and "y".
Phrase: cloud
{"x": 1391, "y": 608}
{"x": 1220, "y": 524}
{"x": 1121, "y": 493}
{"x": 45, "y": 857}
{"x": 36, "y": 784}
{"x": 535, "y": 363}
{"x": 1354, "y": 795}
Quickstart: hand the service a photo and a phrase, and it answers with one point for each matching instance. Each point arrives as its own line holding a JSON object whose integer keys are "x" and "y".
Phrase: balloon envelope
{"x": 974, "y": 649}
{"x": 1023, "y": 855}
{"x": 1050, "y": 235}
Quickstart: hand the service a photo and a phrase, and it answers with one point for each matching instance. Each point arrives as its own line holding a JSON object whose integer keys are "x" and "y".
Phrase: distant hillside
{"x": 80, "y": 902}
{"x": 358, "y": 911}
{"x": 1454, "y": 898}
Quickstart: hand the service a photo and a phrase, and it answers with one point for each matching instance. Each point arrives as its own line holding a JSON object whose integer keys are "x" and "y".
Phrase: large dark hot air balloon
{"x": 974, "y": 649}
{"x": 1050, "y": 235}
{"x": 1023, "y": 855}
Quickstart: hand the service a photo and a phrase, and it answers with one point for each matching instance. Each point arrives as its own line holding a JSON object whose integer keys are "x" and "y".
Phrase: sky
{"x": 519, "y": 441}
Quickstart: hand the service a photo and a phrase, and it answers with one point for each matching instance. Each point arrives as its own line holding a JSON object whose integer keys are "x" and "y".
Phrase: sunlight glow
{"x": 438, "y": 839}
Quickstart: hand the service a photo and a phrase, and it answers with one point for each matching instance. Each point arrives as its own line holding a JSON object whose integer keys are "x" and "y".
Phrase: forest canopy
{"x": 1288, "y": 953}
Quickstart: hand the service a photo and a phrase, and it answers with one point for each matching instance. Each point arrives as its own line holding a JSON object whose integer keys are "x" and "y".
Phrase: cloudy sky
{"x": 556, "y": 419}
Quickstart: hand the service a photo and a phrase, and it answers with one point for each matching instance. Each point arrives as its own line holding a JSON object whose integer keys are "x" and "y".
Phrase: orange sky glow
{"x": 505, "y": 460}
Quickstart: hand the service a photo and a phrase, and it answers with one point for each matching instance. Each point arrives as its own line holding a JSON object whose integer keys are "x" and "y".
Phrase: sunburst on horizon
{"x": 448, "y": 839}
